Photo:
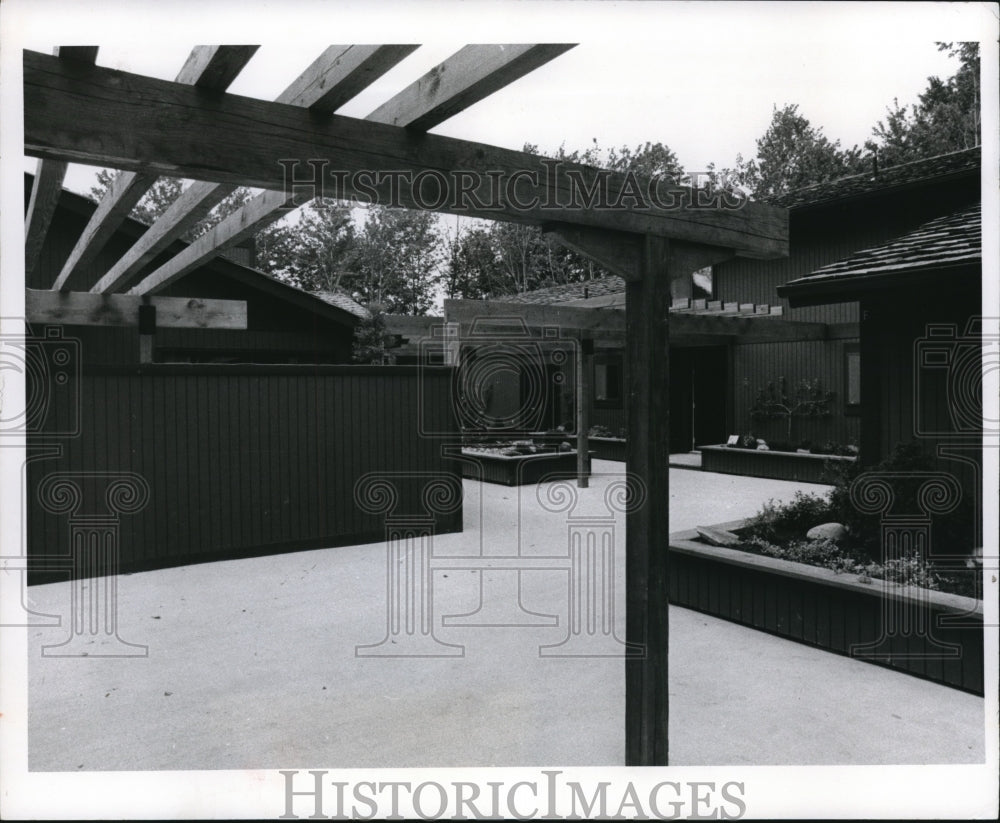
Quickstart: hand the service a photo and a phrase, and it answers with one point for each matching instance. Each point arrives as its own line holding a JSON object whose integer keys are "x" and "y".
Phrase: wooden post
{"x": 147, "y": 328}
{"x": 584, "y": 366}
{"x": 647, "y": 527}
{"x": 647, "y": 454}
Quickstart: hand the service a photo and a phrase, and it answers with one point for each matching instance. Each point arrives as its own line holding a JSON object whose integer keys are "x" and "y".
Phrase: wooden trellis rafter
{"x": 332, "y": 79}
{"x": 207, "y": 67}
{"x": 466, "y": 77}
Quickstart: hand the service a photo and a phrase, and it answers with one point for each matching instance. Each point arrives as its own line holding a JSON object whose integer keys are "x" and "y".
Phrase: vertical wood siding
{"x": 756, "y": 364}
{"x": 833, "y": 618}
{"x": 247, "y": 460}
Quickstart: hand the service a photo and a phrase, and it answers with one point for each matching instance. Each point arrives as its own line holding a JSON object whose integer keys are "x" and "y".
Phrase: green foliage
{"x": 494, "y": 259}
{"x": 314, "y": 253}
{"x": 789, "y": 521}
{"x": 371, "y": 340}
{"x": 827, "y": 554}
{"x": 808, "y": 399}
{"x": 778, "y": 530}
{"x": 791, "y": 154}
{"x": 945, "y": 118}
{"x": 951, "y": 533}
{"x": 395, "y": 260}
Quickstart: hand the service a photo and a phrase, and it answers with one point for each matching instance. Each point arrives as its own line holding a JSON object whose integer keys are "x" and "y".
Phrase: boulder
{"x": 830, "y": 531}
{"x": 718, "y": 537}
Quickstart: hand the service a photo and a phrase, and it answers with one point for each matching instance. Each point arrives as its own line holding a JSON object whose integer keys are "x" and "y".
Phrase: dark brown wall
{"x": 244, "y": 460}
{"x": 916, "y": 402}
{"x": 756, "y": 364}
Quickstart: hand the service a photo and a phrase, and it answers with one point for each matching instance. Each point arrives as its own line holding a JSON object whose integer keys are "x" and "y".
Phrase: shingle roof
{"x": 342, "y": 301}
{"x": 612, "y": 284}
{"x": 965, "y": 162}
{"x": 945, "y": 241}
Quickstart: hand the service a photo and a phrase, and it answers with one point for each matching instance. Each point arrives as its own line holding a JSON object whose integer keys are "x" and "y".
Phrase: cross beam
{"x": 334, "y": 77}
{"x": 86, "y": 309}
{"x": 463, "y": 79}
{"x": 48, "y": 181}
{"x": 150, "y": 125}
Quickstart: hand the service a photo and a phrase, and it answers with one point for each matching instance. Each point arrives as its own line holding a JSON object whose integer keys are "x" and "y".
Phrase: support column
{"x": 647, "y": 526}
{"x": 647, "y": 456}
{"x": 584, "y": 392}
{"x": 147, "y": 328}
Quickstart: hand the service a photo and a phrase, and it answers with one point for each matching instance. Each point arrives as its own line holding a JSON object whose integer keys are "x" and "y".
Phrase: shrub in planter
{"x": 778, "y": 530}
{"x": 776, "y": 523}
{"x": 951, "y": 533}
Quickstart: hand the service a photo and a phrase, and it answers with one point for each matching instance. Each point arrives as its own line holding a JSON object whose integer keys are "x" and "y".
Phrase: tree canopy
{"x": 792, "y": 153}
{"x": 945, "y": 118}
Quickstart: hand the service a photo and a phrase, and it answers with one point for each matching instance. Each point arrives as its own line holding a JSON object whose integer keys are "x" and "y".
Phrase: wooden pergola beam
{"x": 574, "y": 321}
{"x": 207, "y": 67}
{"x": 45, "y": 190}
{"x": 49, "y": 176}
{"x": 86, "y": 309}
{"x": 609, "y": 323}
{"x": 165, "y": 127}
{"x": 619, "y": 252}
{"x": 215, "y": 67}
{"x": 329, "y": 81}
{"x": 469, "y": 75}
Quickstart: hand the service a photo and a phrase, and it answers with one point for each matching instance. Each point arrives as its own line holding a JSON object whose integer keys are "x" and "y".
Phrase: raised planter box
{"x": 832, "y": 611}
{"x": 607, "y": 448}
{"x": 517, "y": 470}
{"x": 806, "y": 468}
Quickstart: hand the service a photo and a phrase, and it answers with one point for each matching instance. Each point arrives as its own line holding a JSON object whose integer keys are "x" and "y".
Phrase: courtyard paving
{"x": 253, "y": 664}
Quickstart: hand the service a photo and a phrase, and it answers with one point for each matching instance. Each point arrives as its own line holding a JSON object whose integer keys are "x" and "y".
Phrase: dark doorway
{"x": 710, "y": 379}
{"x": 698, "y": 380}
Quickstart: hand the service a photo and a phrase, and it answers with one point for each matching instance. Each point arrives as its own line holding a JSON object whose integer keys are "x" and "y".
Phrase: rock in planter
{"x": 830, "y": 531}
{"x": 718, "y": 537}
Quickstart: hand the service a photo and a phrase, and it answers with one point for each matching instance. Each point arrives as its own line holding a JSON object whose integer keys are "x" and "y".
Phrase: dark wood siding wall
{"x": 244, "y": 460}
{"x": 927, "y": 404}
{"x": 756, "y": 364}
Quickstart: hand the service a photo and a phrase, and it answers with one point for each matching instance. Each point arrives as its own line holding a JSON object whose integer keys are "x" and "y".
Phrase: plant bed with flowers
{"x": 518, "y": 462}
{"x": 815, "y": 569}
{"x": 804, "y": 462}
{"x": 606, "y": 444}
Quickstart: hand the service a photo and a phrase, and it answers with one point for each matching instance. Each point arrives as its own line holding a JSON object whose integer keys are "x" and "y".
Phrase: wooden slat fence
{"x": 244, "y": 460}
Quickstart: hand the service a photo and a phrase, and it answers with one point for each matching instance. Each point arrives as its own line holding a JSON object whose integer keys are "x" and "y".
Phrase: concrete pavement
{"x": 252, "y": 664}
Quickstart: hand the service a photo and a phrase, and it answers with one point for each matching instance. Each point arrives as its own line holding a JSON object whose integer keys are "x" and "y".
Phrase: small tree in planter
{"x": 371, "y": 340}
{"x": 808, "y": 399}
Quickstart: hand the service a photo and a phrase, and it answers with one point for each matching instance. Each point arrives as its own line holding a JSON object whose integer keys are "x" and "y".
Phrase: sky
{"x": 702, "y": 78}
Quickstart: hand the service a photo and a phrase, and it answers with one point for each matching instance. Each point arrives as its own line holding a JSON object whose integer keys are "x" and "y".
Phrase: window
{"x": 703, "y": 284}
{"x": 852, "y": 377}
{"x": 609, "y": 380}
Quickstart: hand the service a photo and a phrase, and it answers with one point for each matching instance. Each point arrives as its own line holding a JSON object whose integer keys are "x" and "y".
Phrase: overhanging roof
{"x": 951, "y": 245}
{"x": 957, "y": 165}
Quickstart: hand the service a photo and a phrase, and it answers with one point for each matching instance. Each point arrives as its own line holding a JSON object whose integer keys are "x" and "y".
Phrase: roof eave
{"x": 847, "y": 289}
